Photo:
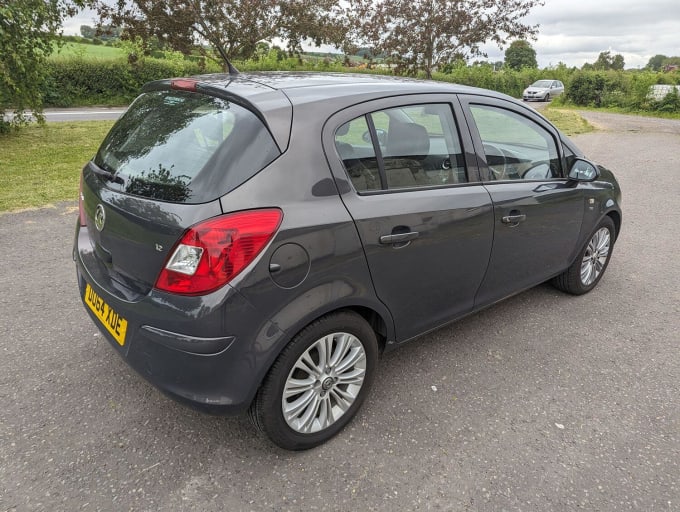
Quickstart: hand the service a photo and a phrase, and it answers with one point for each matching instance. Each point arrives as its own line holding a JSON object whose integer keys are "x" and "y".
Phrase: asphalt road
{"x": 544, "y": 402}
{"x": 81, "y": 114}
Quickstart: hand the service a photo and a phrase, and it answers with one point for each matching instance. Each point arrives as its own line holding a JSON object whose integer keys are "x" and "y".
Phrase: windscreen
{"x": 186, "y": 147}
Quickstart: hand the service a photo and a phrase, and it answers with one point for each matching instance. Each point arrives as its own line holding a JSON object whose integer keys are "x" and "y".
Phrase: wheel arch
{"x": 616, "y": 217}
{"x": 378, "y": 318}
{"x": 380, "y": 322}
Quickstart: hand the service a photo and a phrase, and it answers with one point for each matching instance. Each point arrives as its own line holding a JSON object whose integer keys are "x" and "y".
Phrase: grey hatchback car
{"x": 254, "y": 242}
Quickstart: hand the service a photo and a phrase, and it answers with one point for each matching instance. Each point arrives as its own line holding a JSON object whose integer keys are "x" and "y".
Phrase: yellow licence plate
{"x": 114, "y": 323}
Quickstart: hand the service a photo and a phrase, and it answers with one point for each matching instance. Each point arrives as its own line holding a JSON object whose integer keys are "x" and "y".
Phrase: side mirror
{"x": 583, "y": 171}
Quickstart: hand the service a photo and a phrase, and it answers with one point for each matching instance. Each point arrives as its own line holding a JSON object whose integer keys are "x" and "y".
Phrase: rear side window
{"x": 184, "y": 147}
{"x": 408, "y": 147}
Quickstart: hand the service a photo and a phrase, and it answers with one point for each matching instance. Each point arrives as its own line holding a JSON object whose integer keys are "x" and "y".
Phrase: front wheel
{"x": 588, "y": 268}
{"x": 547, "y": 97}
{"x": 318, "y": 382}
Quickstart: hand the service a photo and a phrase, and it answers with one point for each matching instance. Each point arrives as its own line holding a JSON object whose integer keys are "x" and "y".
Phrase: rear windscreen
{"x": 184, "y": 147}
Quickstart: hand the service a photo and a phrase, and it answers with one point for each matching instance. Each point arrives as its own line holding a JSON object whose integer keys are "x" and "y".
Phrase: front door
{"x": 537, "y": 211}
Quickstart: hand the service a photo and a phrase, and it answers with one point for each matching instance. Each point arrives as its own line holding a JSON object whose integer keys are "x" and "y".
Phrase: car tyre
{"x": 547, "y": 97}
{"x": 589, "y": 266}
{"x": 318, "y": 382}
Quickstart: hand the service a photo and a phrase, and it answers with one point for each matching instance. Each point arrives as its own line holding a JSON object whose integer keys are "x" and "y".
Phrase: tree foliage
{"x": 520, "y": 55}
{"x": 103, "y": 32}
{"x": 606, "y": 61}
{"x": 659, "y": 62}
{"x": 426, "y": 34}
{"x": 233, "y": 28}
{"x": 27, "y": 30}
{"x": 656, "y": 63}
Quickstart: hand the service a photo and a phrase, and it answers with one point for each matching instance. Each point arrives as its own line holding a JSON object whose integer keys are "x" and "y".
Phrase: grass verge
{"x": 40, "y": 165}
{"x": 570, "y": 122}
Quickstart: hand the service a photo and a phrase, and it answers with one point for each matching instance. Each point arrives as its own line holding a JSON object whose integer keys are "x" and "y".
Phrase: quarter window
{"x": 402, "y": 148}
{"x": 515, "y": 147}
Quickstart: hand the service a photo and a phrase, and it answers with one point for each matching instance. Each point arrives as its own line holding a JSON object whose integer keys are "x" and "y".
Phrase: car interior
{"x": 412, "y": 155}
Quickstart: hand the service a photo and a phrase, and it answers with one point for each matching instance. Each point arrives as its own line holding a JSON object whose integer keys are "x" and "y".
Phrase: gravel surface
{"x": 544, "y": 402}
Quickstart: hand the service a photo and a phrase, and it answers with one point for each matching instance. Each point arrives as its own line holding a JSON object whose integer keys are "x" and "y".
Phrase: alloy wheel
{"x": 324, "y": 382}
{"x": 595, "y": 256}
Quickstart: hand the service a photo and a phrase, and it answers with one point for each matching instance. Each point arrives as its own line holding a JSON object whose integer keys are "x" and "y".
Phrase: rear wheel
{"x": 588, "y": 268}
{"x": 318, "y": 383}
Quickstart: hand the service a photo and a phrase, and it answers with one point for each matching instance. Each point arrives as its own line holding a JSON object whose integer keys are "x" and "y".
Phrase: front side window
{"x": 515, "y": 147}
{"x": 400, "y": 148}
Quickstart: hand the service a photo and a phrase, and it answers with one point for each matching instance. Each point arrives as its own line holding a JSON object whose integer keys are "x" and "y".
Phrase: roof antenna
{"x": 232, "y": 70}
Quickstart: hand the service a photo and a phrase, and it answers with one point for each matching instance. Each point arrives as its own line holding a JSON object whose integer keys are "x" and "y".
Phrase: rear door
{"x": 424, "y": 219}
{"x": 537, "y": 211}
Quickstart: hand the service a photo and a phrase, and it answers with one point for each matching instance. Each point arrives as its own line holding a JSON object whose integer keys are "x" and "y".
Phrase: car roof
{"x": 336, "y": 85}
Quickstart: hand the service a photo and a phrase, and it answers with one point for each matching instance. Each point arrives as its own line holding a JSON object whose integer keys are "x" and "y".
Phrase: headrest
{"x": 343, "y": 130}
{"x": 407, "y": 140}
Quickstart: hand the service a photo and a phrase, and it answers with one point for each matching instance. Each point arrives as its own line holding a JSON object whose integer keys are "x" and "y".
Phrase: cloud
{"x": 576, "y": 31}
{"x": 72, "y": 25}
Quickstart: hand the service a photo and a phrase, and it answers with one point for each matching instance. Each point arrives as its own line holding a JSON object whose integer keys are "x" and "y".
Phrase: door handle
{"x": 398, "y": 238}
{"x": 514, "y": 219}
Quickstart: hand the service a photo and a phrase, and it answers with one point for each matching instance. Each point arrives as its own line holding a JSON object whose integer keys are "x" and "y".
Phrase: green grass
{"x": 88, "y": 51}
{"x": 625, "y": 111}
{"x": 41, "y": 165}
{"x": 568, "y": 121}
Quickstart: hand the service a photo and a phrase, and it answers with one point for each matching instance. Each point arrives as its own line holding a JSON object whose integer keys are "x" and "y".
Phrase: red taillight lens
{"x": 212, "y": 253}
{"x": 183, "y": 84}
{"x": 81, "y": 207}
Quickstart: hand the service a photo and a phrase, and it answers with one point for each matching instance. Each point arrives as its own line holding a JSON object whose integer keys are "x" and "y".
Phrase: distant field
{"x": 88, "y": 51}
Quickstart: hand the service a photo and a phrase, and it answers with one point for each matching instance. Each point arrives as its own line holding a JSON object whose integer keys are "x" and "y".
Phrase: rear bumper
{"x": 208, "y": 352}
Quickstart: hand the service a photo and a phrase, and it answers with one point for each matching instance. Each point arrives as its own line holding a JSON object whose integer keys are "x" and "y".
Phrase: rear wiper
{"x": 107, "y": 175}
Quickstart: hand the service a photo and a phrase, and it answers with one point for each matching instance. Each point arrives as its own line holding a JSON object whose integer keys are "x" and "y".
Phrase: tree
{"x": 426, "y": 34}
{"x": 656, "y": 63}
{"x": 27, "y": 30}
{"x": 232, "y": 28}
{"x": 520, "y": 55}
{"x": 88, "y": 32}
{"x": 607, "y": 61}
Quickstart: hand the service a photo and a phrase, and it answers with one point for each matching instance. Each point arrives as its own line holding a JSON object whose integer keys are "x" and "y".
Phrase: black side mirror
{"x": 583, "y": 170}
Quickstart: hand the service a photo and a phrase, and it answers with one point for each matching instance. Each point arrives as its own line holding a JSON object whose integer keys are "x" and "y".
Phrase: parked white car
{"x": 543, "y": 90}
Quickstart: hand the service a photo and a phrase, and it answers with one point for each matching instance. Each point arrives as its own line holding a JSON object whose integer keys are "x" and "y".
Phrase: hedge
{"x": 78, "y": 81}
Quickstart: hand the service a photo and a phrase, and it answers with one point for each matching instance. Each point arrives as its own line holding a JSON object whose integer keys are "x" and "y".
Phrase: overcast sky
{"x": 576, "y": 31}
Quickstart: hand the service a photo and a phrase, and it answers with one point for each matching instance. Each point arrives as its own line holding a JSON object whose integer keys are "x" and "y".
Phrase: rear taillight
{"x": 81, "y": 207}
{"x": 212, "y": 253}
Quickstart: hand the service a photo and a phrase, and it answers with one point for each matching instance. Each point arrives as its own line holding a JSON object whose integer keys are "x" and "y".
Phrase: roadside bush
{"x": 77, "y": 81}
{"x": 586, "y": 88}
{"x": 624, "y": 90}
{"x": 74, "y": 81}
{"x": 506, "y": 80}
